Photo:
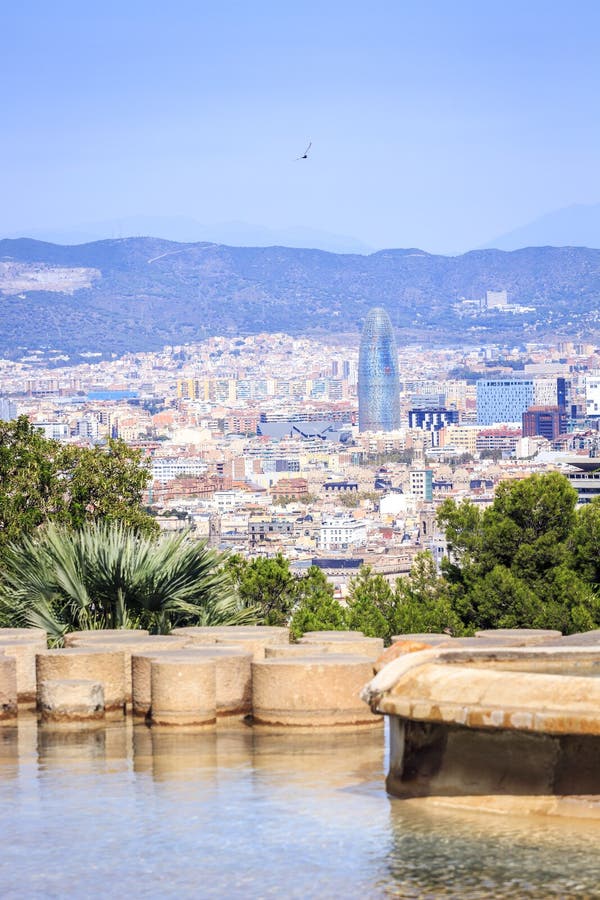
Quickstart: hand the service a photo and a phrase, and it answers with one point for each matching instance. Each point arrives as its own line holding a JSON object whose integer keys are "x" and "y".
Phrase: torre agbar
{"x": 378, "y": 383}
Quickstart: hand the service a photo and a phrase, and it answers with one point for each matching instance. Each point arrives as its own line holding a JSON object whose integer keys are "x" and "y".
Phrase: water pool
{"x": 138, "y": 813}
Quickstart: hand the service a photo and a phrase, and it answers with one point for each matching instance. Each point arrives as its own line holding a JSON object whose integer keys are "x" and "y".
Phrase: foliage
{"x": 104, "y": 575}
{"x": 417, "y": 603}
{"x": 43, "y": 480}
{"x": 529, "y": 560}
{"x": 266, "y": 584}
{"x": 316, "y": 607}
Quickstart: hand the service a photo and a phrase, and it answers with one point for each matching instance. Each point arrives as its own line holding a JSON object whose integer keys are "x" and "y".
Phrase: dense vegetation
{"x": 530, "y": 560}
{"x": 152, "y": 292}
{"x": 77, "y": 550}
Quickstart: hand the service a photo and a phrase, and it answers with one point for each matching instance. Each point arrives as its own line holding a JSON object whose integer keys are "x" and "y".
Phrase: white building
{"x": 592, "y": 395}
{"x": 496, "y": 299}
{"x": 166, "y": 468}
{"x": 340, "y": 533}
{"x": 56, "y": 431}
{"x": 8, "y": 410}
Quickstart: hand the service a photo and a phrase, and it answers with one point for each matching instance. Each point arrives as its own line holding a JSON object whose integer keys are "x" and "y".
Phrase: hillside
{"x": 142, "y": 293}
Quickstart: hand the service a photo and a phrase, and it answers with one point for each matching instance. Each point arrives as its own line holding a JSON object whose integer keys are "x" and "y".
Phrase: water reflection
{"x": 243, "y": 812}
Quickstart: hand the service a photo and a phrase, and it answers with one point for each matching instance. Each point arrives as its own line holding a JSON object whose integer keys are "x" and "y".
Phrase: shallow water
{"x": 135, "y": 812}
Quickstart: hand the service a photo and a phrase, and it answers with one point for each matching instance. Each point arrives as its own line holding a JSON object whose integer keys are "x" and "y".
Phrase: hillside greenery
{"x": 152, "y": 292}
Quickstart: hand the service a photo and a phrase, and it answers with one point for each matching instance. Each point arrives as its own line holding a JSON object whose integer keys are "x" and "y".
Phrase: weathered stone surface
{"x": 233, "y": 677}
{"x": 400, "y": 648}
{"x": 8, "y": 688}
{"x": 371, "y": 647}
{"x": 106, "y": 666}
{"x": 129, "y": 642}
{"x": 71, "y": 700}
{"x": 100, "y": 634}
{"x": 288, "y": 651}
{"x": 22, "y": 634}
{"x": 183, "y": 691}
{"x": 321, "y": 691}
{"x": 23, "y": 650}
{"x": 210, "y": 634}
{"x": 423, "y": 637}
{"x": 321, "y": 635}
{"x": 519, "y": 637}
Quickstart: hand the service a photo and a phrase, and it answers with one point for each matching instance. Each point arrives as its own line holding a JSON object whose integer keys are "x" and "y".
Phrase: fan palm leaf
{"x": 106, "y": 575}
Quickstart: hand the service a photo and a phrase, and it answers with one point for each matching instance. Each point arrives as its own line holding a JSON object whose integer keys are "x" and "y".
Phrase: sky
{"x": 433, "y": 124}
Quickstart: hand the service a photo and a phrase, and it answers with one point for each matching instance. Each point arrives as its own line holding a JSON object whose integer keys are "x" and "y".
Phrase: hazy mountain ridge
{"x": 153, "y": 292}
{"x": 576, "y": 226}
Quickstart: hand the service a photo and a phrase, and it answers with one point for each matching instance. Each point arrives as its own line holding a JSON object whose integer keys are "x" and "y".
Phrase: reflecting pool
{"x": 132, "y": 812}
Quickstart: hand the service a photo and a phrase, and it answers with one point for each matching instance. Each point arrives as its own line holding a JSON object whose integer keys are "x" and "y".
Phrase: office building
{"x": 503, "y": 399}
{"x": 378, "y": 382}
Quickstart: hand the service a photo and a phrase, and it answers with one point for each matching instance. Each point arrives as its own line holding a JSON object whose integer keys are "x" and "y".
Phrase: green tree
{"x": 104, "y": 575}
{"x": 422, "y": 601}
{"x": 370, "y": 604}
{"x": 316, "y": 607}
{"x": 528, "y": 560}
{"x": 266, "y": 584}
{"x": 43, "y": 480}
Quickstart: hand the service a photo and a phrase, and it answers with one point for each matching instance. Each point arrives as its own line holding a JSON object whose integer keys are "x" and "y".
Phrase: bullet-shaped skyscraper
{"x": 378, "y": 382}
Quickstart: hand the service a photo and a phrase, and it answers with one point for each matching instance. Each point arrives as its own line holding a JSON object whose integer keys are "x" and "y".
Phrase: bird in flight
{"x": 305, "y": 154}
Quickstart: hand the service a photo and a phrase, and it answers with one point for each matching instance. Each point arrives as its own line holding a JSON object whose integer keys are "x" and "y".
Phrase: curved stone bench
{"x": 183, "y": 691}
{"x": 8, "y": 689}
{"x": 71, "y": 700}
{"x": 467, "y": 729}
{"x": 101, "y": 665}
{"x": 310, "y": 692}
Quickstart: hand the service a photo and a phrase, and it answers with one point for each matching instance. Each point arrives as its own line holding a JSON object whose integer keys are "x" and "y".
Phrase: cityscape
{"x": 300, "y": 451}
{"x": 271, "y": 444}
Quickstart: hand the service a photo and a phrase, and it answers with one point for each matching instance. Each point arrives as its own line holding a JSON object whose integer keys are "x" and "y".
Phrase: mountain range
{"x": 135, "y": 294}
{"x": 572, "y": 226}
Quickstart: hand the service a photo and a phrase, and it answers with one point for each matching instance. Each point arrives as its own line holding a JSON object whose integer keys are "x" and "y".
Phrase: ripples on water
{"x": 134, "y": 812}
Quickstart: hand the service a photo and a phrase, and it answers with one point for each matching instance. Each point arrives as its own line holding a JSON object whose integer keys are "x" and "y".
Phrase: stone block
{"x": 314, "y": 692}
{"x": 183, "y": 691}
{"x": 71, "y": 700}
{"x": 24, "y": 652}
{"x": 105, "y": 666}
{"x": 8, "y": 689}
{"x": 100, "y": 634}
{"x": 127, "y": 642}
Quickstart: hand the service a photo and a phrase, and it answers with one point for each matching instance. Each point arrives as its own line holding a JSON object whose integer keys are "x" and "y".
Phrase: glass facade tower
{"x": 378, "y": 382}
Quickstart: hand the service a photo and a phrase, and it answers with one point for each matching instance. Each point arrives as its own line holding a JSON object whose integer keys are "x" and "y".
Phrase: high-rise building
{"x": 503, "y": 399}
{"x": 378, "y": 382}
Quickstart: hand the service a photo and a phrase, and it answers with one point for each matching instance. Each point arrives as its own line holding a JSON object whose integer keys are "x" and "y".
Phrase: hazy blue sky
{"x": 434, "y": 124}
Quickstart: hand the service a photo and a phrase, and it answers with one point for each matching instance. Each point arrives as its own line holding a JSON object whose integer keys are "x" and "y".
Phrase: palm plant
{"x": 104, "y": 575}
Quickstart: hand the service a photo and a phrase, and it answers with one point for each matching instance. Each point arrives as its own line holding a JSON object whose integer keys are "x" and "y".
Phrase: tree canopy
{"x": 42, "y": 480}
{"x": 529, "y": 560}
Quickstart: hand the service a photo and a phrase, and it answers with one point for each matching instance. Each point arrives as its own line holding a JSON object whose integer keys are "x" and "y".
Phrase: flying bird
{"x": 305, "y": 154}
